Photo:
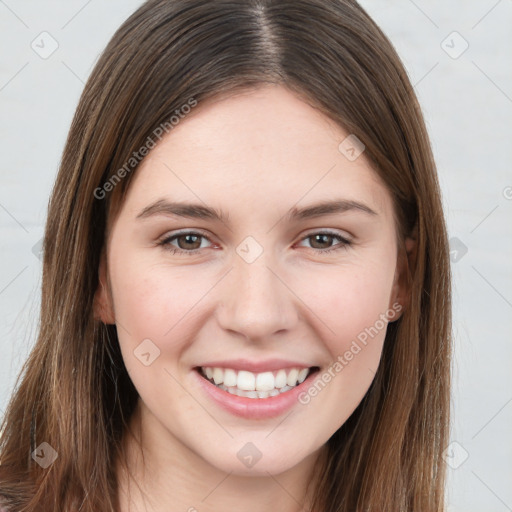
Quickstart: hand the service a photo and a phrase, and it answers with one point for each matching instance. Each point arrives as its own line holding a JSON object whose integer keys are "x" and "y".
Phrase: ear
{"x": 103, "y": 308}
{"x": 406, "y": 263}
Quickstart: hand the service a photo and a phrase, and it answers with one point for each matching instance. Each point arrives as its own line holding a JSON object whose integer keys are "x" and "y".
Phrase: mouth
{"x": 261, "y": 385}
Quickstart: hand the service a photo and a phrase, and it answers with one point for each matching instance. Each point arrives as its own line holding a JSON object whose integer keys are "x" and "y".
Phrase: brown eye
{"x": 323, "y": 242}
{"x": 189, "y": 241}
{"x": 183, "y": 243}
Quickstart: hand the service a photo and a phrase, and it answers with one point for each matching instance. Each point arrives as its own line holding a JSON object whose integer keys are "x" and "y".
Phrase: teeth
{"x": 252, "y": 385}
{"x": 303, "y": 374}
{"x": 246, "y": 381}
{"x": 229, "y": 378}
{"x": 280, "y": 379}
{"x": 264, "y": 381}
{"x": 218, "y": 375}
{"x": 291, "y": 380}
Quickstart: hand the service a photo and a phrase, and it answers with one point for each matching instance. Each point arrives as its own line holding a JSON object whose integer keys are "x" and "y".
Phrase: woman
{"x": 258, "y": 368}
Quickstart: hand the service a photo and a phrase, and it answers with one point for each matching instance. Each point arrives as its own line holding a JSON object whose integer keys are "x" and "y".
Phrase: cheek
{"x": 349, "y": 305}
{"x": 348, "y": 301}
{"x": 152, "y": 302}
{"x": 154, "y": 311}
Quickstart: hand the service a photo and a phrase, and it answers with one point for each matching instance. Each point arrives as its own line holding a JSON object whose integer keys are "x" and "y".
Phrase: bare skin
{"x": 254, "y": 157}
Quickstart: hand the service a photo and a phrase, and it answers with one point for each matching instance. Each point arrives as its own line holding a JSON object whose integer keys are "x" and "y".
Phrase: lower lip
{"x": 254, "y": 408}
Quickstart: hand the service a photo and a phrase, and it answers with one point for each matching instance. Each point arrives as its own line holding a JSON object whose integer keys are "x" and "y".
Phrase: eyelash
{"x": 175, "y": 250}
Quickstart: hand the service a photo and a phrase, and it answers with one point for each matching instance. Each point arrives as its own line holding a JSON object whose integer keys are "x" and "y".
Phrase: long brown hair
{"x": 74, "y": 392}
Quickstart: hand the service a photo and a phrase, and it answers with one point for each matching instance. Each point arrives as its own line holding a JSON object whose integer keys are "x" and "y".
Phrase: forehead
{"x": 256, "y": 150}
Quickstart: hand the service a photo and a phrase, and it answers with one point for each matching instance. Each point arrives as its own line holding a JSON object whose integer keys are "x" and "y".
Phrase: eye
{"x": 324, "y": 238}
{"x": 188, "y": 242}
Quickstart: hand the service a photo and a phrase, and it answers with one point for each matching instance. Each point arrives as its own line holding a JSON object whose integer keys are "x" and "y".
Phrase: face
{"x": 269, "y": 288}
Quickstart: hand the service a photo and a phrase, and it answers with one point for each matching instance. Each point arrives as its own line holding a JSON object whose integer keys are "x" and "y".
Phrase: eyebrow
{"x": 189, "y": 210}
{"x": 198, "y": 211}
{"x": 328, "y": 207}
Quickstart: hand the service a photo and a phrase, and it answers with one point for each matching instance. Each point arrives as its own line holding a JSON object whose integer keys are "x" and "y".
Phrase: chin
{"x": 248, "y": 460}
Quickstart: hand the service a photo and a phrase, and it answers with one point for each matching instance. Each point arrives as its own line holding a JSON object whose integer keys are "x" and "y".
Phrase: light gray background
{"x": 467, "y": 101}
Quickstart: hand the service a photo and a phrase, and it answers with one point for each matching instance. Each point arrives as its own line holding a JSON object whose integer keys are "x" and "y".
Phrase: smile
{"x": 255, "y": 385}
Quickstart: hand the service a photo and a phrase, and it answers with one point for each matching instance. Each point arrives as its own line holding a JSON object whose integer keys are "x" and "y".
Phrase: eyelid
{"x": 185, "y": 231}
{"x": 344, "y": 241}
{"x": 165, "y": 239}
{"x": 327, "y": 231}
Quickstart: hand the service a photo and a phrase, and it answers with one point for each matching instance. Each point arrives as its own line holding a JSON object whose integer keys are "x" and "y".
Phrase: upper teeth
{"x": 248, "y": 381}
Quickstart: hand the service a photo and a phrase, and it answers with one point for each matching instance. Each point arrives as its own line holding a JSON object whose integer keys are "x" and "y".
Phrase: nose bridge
{"x": 255, "y": 301}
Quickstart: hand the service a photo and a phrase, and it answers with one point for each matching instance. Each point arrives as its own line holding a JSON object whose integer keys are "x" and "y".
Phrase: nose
{"x": 257, "y": 303}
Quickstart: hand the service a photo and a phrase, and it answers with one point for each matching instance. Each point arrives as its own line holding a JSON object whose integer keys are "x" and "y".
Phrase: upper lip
{"x": 256, "y": 366}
